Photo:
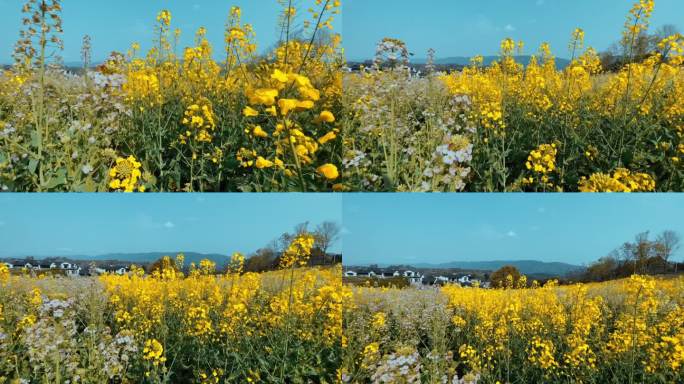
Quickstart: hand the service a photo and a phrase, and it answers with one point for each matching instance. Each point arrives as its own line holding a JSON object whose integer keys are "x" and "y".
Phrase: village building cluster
{"x": 416, "y": 278}
{"x": 66, "y": 268}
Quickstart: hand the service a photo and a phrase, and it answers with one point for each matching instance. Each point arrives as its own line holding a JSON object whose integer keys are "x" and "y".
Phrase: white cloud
{"x": 490, "y": 233}
{"x": 169, "y": 225}
{"x": 509, "y": 28}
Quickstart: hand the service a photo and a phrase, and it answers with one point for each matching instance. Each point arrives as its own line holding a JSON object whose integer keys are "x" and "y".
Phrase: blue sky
{"x": 468, "y": 28}
{"x": 420, "y": 228}
{"x": 93, "y": 224}
{"x": 115, "y": 25}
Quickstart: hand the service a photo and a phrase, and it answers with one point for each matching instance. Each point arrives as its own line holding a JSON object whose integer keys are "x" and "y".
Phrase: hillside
{"x": 528, "y": 267}
{"x": 148, "y": 257}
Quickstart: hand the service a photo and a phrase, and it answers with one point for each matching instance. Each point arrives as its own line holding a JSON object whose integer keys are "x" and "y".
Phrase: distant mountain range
{"x": 144, "y": 257}
{"x": 148, "y": 257}
{"x": 528, "y": 267}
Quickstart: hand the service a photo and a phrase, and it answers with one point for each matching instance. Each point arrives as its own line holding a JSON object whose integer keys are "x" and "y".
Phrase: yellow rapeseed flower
{"x": 329, "y": 171}
{"x": 250, "y": 112}
{"x": 287, "y": 105}
{"x": 259, "y": 132}
{"x": 262, "y": 163}
{"x": 327, "y": 137}
{"x": 263, "y": 96}
{"x": 327, "y": 117}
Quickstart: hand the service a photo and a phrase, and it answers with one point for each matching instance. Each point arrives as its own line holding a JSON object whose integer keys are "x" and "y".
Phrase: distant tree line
{"x": 620, "y": 53}
{"x": 325, "y": 234}
{"x": 643, "y": 255}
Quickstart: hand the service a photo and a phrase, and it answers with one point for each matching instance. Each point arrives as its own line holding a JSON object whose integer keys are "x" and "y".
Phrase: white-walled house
{"x": 69, "y": 269}
{"x": 464, "y": 279}
{"x": 413, "y": 277}
{"x": 72, "y": 271}
{"x": 417, "y": 279}
{"x": 66, "y": 265}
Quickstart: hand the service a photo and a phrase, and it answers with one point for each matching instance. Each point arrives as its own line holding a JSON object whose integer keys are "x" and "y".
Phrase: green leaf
{"x": 33, "y": 164}
{"x": 35, "y": 139}
{"x": 90, "y": 185}
{"x": 57, "y": 179}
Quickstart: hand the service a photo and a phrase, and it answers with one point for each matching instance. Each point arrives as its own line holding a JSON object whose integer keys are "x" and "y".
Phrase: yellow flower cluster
{"x": 581, "y": 332}
{"x": 622, "y": 180}
{"x": 125, "y": 175}
{"x": 298, "y": 252}
{"x": 142, "y": 84}
{"x": 239, "y": 39}
{"x": 270, "y": 106}
{"x": 207, "y": 267}
{"x": 198, "y": 323}
{"x": 542, "y": 354}
{"x": 637, "y": 21}
{"x": 543, "y": 159}
{"x": 237, "y": 263}
{"x": 168, "y": 269}
{"x": 153, "y": 352}
{"x": 164, "y": 17}
{"x": 289, "y": 98}
{"x": 329, "y": 171}
{"x": 542, "y": 162}
{"x": 190, "y": 326}
{"x": 370, "y": 354}
{"x": 596, "y": 101}
{"x": 199, "y": 118}
{"x": 4, "y": 272}
{"x": 484, "y": 89}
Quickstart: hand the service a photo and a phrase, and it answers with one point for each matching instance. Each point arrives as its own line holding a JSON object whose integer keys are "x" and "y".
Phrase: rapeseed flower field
{"x": 174, "y": 118}
{"x": 624, "y": 331}
{"x": 513, "y": 127}
{"x": 163, "y": 327}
